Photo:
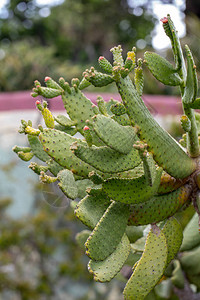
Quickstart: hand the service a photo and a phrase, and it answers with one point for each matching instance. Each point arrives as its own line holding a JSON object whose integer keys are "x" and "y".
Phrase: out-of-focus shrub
{"x": 21, "y": 61}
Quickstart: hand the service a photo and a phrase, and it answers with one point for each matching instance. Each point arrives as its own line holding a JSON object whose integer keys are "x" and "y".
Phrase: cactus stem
{"x": 141, "y": 147}
{"x": 192, "y": 135}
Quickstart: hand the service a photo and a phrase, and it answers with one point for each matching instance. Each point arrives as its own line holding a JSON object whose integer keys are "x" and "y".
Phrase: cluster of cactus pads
{"x": 129, "y": 174}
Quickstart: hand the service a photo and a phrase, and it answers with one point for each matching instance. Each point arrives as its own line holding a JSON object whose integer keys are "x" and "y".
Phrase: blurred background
{"x": 39, "y": 257}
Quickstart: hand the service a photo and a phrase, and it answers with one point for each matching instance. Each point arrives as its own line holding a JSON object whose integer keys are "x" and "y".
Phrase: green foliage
{"x": 34, "y": 242}
{"x": 75, "y": 38}
{"x": 127, "y": 171}
{"x": 23, "y": 60}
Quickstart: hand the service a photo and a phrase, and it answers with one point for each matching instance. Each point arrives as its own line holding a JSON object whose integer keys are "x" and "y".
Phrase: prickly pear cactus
{"x": 126, "y": 175}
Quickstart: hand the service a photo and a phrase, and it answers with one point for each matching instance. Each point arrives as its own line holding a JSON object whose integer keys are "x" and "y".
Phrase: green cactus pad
{"x": 185, "y": 123}
{"x": 117, "y": 55}
{"x": 191, "y": 87}
{"x": 81, "y": 238}
{"x": 118, "y": 109}
{"x": 107, "y": 269}
{"x": 139, "y": 78}
{"x": 91, "y": 208}
{"x": 47, "y": 92}
{"x": 161, "y": 69}
{"x": 31, "y": 131}
{"x": 159, "y": 207}
{"x": 105, "y": 64}
{"x": 57, "y": 145}
{"x": 64, "y": 121}
{"x": 122, "y": 120}
{"x": 25, "y": 156}
{"x": 38, "y": 168}
{"x": 71, "y": 131}
{"x": 37, "y": 148}
{"x": 149, "y": 269}
{"x": 176, "y": 46}
{"x": 190, "y": 261}
{"x": 48, "y": 118}
{"x": 95, "y": 177}
{"x": 109, "y": 104}
{"x": 177, "y": 277}
{"x": 102, "y": 106}
{"x": 194, "y": 279}
{"x": 84, "y": 84}
{"x": 191, "y": 235}
{"x": 174, "y": 235}
{"x": 169, "y": 184}
{"x": 139, "y": 244}
{"x": 133, "y": 258}
{"x": 132, "y": 191}
{"x": 78, "y": 107}
{"x": 82, "y": 186}
{"x": 134, "y": 232}
{"x": 17, "y": 149}
{"x": 108, "y": 232}
{"x": 114, "y": 135}
{"x": 195, "y": 104}
{"x": 54, "y": 167}
{"x": 166, "y": 151}
{"x": 50, "y": 83}
{"x": 105, "y": 159}
{"x": 98, "y": 79}
{"x": 67, "y": 184}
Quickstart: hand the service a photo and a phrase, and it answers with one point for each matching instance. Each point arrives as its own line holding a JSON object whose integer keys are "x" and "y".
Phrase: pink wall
{"x": 22, "y": 101}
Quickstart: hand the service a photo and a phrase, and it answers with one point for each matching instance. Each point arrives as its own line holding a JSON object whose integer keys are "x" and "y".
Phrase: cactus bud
{"x": 75, "y": 81}
{"x": 61, "y": 82}
{"x": 37, "y": 168}
{"x": 95, "y": 177}
{"x": 47, "y": 115}
{"x": 87, "y": 135}
{"x": 117, "y": 55}
{"x": 84, "y": 83}
{"x": 39, "y": 105}
{"x": 17, "y": 149}
{"x": 101, "y": 106}
{"x": 34, "y": 95}
{"x": 167, "y": 27}
{"x": 67, "y": 88}
{"x": 118, "y": 109}
{"x": 95, "y": 109}
{"x": 26, "y": 156}
{"x": 164, "y": 20}
{"x": 139, "y": 78}
{"x": 47, "y": 179}
{"x": 24, "y": 123}
{"x": 47, "y": 92}
{"x": 40, "y": 127}
{"x": 186, "y": 123}
{"x": 50, "y": 83}
{"x": 130, "y": 60}
{"x": 37, "y": 83}
{"x": 129, "y": 64}
{"x": 48, "y": 118}
{"x": 105, "y": 64}
{"x": 31, "y": 131}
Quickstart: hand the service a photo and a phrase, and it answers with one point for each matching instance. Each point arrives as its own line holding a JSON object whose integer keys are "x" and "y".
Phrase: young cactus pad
{"x": 125, "y": 173}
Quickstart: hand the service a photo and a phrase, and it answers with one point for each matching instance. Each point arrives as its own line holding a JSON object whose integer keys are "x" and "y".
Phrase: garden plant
{"x": 134, "y": 186}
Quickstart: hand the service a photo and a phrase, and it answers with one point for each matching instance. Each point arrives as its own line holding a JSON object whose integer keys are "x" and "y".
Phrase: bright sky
{"x": 160, "y": 40}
